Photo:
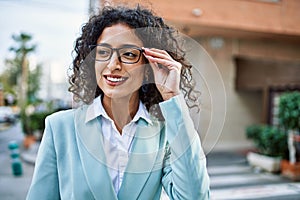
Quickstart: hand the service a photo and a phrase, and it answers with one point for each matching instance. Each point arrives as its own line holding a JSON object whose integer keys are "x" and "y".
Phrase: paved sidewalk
{"x": 232, "y": 179}
{"x": 14, "y": 187}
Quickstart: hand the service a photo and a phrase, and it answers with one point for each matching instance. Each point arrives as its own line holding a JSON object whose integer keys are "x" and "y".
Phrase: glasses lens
{"x": 129, "y": 55}
{"x": 103, "y": 53}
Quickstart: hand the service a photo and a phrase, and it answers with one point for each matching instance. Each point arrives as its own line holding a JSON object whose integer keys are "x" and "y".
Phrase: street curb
{"x": 30, "y": 154}
{"x": 28, "y": 158}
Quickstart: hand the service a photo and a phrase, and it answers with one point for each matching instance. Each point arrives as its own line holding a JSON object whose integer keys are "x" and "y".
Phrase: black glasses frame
{"x": 118, "y": 53}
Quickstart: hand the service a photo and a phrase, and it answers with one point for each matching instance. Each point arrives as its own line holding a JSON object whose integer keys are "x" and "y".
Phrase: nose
{"x": 114, "y": 62}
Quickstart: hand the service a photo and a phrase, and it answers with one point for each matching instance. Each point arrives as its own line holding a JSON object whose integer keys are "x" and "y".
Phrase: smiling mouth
{"x": 115, "y": 79}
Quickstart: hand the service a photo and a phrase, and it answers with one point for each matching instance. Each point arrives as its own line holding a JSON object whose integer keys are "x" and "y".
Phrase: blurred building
{"x": 54, "y": 85}
{"x": 256, "y": 47}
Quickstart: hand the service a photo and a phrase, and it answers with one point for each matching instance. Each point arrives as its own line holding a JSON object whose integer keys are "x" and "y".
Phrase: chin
{"x": 119, "y": 94}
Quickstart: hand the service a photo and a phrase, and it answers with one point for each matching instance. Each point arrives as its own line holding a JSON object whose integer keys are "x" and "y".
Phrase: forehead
{"x": 119, "y": 34}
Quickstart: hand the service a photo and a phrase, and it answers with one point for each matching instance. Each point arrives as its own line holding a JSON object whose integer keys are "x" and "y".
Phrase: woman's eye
{"x": 103, "y": 52}
{"x": 129, "y": 54}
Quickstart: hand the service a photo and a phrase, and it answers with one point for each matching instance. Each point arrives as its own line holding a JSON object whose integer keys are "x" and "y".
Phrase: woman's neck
{"x": 121, "y": 110}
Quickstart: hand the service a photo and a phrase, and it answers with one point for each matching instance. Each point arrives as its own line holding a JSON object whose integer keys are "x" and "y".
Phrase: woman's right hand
{"x": 166, "y": 72}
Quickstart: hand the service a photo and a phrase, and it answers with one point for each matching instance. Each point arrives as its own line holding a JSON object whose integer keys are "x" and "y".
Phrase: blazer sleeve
{"x": 184, "y": 174}
{"x": 44, "y": 183}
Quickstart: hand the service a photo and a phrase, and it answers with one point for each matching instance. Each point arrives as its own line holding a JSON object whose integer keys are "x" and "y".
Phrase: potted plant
{"x": 271, "y": 145}
{"x": 289, "y": 119}
{"x": 33, "y": 122}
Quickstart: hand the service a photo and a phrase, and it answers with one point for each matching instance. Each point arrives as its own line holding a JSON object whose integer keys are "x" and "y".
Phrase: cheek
{"x": 98, "y": 70}
{"x": 138, "y": 75}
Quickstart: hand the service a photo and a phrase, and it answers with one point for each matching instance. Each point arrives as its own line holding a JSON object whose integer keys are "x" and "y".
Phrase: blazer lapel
{"x": 90, "y": 145}
{"x": 142, "y": 159}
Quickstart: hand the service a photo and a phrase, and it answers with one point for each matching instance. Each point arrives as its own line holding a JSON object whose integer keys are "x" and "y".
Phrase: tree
{"x": 18, "y": 79}
{"x": 34, "y": 84}
{"x": 9, "y": 78}
{"x": 21, "y": 50}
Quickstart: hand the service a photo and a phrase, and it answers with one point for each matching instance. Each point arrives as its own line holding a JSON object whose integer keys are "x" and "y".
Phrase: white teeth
{"x": 112, "y": 79}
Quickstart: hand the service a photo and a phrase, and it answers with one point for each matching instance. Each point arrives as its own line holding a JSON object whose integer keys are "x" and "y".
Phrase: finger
{"x": 160, "y": 62}
{"x": 157, "y": 53}
{"x": 158, "y": 70}
{"x": 161, "y": 57}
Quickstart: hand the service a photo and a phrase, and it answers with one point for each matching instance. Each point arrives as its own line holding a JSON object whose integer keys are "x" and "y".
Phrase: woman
{"x": 134, "y": 135}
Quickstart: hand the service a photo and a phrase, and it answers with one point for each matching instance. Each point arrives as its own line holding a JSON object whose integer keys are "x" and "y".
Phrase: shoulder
{"x": 67, "y": 116}
{"x": 62, "y": 123}
{"x": 61, "y": 115}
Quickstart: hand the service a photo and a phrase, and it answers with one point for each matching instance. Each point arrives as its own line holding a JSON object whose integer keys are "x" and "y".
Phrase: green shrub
{"x": 268, "y": 140}
{"x": 289, "y": 110}
{"x": 34, "y": 122}
{"x": 253, "y": 132}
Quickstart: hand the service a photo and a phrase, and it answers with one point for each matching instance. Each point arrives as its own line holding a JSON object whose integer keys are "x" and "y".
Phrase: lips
{"x": 114, "y": 80}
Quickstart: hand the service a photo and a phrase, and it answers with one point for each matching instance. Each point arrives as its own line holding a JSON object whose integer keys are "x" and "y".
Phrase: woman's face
{"x": 116, "y": 78}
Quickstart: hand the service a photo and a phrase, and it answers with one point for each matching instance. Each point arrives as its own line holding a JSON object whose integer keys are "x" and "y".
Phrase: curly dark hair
{"x": 152, "y": 31}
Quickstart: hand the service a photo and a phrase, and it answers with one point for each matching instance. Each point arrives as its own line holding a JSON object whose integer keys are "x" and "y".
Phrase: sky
{"x": 54, "y": 25}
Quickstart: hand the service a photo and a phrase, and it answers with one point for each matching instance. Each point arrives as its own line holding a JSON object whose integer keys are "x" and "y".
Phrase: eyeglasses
{"x": 127, "y": 54}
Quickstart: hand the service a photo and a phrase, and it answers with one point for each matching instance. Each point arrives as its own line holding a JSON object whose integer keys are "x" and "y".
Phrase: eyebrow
{"x": 122, "y": 46}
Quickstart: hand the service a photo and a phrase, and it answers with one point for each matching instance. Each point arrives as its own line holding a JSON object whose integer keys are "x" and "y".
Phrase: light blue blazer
{"x": 71, "y": 159}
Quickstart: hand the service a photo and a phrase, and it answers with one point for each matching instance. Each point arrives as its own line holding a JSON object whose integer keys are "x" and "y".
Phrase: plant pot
{"x": 28, "y": 141}
{"x": 267, "y": 163}
{"x": 290, "y": 170}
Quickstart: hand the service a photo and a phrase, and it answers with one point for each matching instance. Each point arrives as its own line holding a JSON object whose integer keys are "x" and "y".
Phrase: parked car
{"x": 7, "y": 115}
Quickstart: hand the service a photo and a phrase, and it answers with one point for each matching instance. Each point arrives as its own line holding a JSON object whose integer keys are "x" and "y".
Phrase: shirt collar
{"x": 96, "y": 109}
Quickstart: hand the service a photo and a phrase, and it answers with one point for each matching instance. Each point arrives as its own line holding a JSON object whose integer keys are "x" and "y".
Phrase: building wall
{"x": 230, "y": 17}
{"x": 243, "y": 107}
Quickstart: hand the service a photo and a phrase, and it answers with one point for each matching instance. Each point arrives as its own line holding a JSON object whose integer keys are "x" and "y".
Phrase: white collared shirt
{"x": 117, "y": 147}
